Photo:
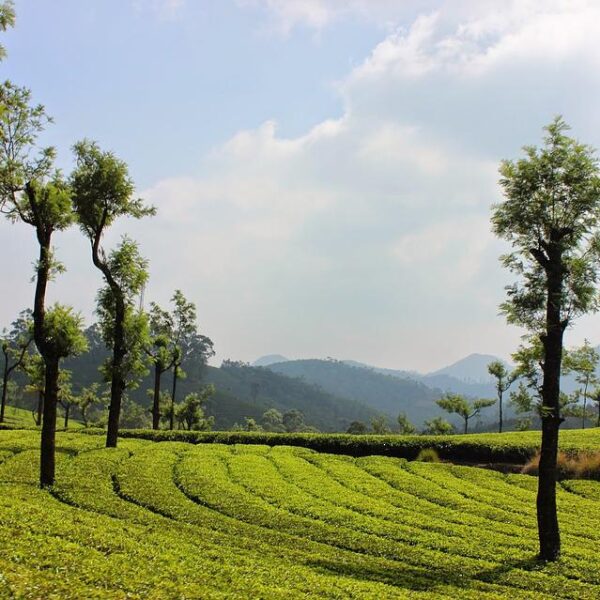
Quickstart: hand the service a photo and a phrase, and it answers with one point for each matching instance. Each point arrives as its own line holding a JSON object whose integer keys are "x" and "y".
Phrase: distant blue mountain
{"x": 269, "y": 359}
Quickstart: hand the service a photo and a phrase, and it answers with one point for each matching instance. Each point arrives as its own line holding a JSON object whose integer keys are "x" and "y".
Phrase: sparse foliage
{"x": 458, "y": 404}
{"x": 551, "y": 217}
{"x": 504, "y": 379}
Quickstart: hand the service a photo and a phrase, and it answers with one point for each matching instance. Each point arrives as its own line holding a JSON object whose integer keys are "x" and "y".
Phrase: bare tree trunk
{"x": 67, "y": 410}
{"x": 156, "y": 399}
{"x": 172, "y": 415}
{"x": 117, "y": 384}
{"x": 500, "y": 416}
{"x": 40, "y": 408}
{"x": 117, "y": 388}
{"x": 548, "y": 528}
{"x": 48, "y": 447}
{"x": 4, "y": 391}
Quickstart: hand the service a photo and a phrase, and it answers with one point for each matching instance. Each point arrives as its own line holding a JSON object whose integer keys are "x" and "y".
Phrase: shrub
{"x": 428, "y": 455}
{"x": 585, "y": 465}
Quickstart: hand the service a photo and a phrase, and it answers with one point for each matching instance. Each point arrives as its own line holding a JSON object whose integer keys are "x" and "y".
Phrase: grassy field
{"x": 176, "y": 520}
{"x": 19, "y": 417}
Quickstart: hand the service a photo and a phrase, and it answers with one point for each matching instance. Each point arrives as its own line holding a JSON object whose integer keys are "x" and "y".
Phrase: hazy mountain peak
{"x": 472, "y": 368}
{"x": 269, "y": 359}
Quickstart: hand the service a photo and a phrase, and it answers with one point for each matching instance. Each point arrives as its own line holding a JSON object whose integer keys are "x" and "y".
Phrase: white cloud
{"x": 361, "y": 221}
{"x": 368, "y": 236}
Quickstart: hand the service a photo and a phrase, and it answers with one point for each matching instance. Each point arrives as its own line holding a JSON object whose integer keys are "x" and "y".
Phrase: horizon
{"x": 323, "y": 172}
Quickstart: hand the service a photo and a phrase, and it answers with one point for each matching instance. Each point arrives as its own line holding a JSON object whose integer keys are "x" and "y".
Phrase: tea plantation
{"x": 177, "y": 520}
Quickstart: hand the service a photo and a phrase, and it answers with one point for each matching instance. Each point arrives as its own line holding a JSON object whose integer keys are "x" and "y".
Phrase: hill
{"x": 245, "y": 391}
{"x": 471, "y": 369}
{"x": 382, "y": 392}
{"x": 210, "y": 521}
{"x": 269, "y": 359}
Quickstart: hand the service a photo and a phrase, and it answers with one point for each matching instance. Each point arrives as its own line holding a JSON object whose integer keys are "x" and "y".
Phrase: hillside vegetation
{"x": 384, "y": 393}
{"x": 175, "y": 520}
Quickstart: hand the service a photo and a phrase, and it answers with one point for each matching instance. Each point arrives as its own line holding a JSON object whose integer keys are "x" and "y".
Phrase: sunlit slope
{"x": 175, "y": 520}
{"x": 20, "y": 417}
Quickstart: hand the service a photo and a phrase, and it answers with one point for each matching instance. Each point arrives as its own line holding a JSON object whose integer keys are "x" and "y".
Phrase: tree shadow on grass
{"x": 425, "y": 579}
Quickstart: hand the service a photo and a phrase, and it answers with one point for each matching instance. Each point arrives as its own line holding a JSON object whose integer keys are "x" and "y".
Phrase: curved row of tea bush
{"x": 176, "y": 520}
{"x": 510, "y": 447}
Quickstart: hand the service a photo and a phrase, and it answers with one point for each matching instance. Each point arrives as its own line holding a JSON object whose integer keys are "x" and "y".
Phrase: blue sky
{"x": 323, "y": 169}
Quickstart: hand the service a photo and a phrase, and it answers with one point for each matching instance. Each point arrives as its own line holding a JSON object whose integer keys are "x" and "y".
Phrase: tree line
{"x": 97, "y": 193}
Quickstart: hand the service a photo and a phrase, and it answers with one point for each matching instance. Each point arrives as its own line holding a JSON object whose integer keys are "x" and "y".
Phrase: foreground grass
{"x": 176, "y": 520}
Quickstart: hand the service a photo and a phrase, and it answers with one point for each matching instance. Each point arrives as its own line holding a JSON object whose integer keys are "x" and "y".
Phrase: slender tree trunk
{"x": 4, "y": 391}
{"x": 48, "y": 448}
{"x": 50, "y": 397}
{"x": 584, "y": 405}
{"x": 156, "y": 400}
{"x": 117, "y": 387}
{"x": 500, "y": 416}
{"x": 117, "y": 384}
{"x": 40, "y": 408}
{"x": 67, "y": 410}
{"x": 548, "y": 528}
{"x": 466, "y": 426}
{"x": 172, "y": 415}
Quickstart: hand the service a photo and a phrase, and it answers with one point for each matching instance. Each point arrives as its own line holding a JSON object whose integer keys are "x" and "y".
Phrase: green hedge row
{"x": 484, "y": 448}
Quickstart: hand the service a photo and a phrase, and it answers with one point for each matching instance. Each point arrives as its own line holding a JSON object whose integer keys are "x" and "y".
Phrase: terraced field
{"x": 174, "y": 520}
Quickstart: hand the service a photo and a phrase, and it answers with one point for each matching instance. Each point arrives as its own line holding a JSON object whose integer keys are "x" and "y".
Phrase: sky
{"x": 323, "y": 170}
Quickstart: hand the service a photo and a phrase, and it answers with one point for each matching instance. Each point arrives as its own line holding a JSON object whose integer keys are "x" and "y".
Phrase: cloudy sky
{"x": 323, "y": 170}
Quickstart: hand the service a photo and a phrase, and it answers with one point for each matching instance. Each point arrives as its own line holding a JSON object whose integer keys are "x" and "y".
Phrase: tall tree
{"x": 529, "y": 368}
{"x": 103, "y": 192}
{"x": 123, "y": 327}
{"x": 405, "y": 427}
{"x": 163, "y": 354}
{"x": 583, "y": 361}
{"x": 550, "y": 216}
{"x": 190, "y": 413}
{"x": 504, "y": 379}
{"x": 14, "y": 349}
{"x": 33, "y": 367}
{"x": 65, "y": 328}
{"x": 186, "y": 341}
{"x": 32, "y": 192}
{"x": 458, "y": 404}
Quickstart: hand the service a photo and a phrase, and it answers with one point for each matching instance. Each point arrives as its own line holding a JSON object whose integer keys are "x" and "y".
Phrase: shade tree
{"x": 438, "y": 426}
{"x": 550, "y": 216}
{"x": 162, "y": 352}
{"x": 186, "y": 341}
{"x": 583, "y": 363}
{"x": 34, "y": 193}
{"x": 504, "y": 378}
{"x": 464, "y": 408}
{"x": 190, "y": 413}
{"x": 103, "y": 192}
{"x": 123, "y": 327}
{"x": 405, "y": 427}
{"x": 15, "y": 344}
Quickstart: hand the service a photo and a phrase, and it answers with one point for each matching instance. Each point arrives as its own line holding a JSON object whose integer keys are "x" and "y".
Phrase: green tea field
{"x": 176, "y": 520}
